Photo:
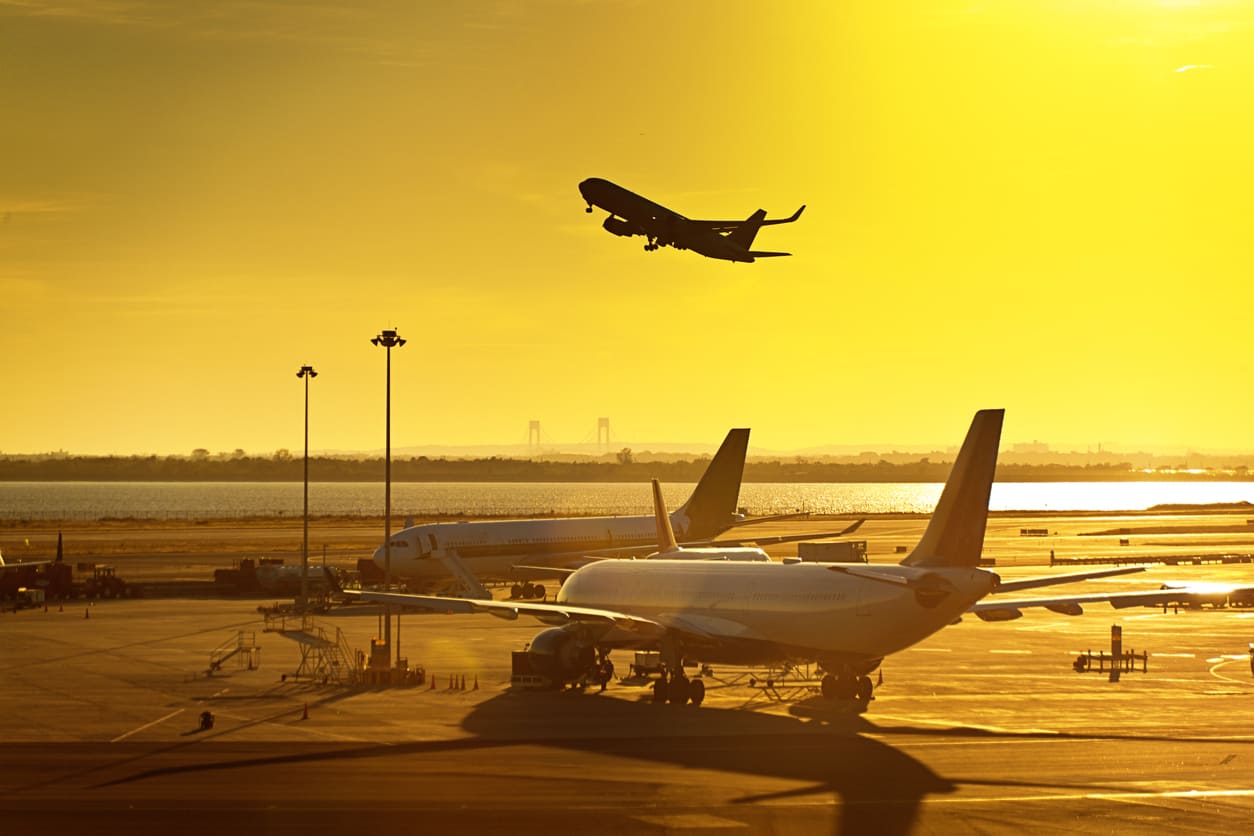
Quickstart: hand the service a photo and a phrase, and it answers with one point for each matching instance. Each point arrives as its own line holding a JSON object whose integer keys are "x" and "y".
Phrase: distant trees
{"x": 624, "y": 456}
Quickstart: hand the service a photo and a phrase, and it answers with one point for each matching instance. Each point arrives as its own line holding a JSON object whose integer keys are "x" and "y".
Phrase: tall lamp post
{"x": 387, "y": 339}
{"x": 305, "y": 372}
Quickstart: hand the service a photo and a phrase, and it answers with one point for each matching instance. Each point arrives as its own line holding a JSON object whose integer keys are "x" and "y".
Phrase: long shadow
{"x": 876, "y": 787}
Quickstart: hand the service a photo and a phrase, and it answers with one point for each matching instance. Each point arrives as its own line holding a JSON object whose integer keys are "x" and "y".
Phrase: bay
{"x": 194, "y": 500}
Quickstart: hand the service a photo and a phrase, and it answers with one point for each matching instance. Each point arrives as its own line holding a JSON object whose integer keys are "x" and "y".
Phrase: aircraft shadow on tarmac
{"x": 876, "y": 787}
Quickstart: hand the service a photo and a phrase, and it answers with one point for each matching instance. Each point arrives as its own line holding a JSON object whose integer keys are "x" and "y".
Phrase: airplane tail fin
{"x": 665, "y": 534}
{"x": 747, "y": 231}
{"x": 955, "y": 534}
{"x": 712, "y": 507}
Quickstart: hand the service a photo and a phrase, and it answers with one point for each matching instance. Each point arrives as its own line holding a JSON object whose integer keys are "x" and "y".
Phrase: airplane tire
{"x": 515, "y": 591}
{"x": 828, "y": 687}
{"x": 679, "y": 691}
{"x": 865, "y": 689}
{"x": 538, "y": 591}
{"x": 696, "y": 692}
{"x": 660, "y": 689}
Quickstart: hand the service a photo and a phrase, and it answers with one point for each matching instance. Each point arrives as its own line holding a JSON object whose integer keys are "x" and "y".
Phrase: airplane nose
{"x": 585, "y": 189}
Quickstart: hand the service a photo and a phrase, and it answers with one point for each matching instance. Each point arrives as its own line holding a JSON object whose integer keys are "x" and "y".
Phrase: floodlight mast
{"x": 389, "y": 340}
{"x": 306, "y": 372}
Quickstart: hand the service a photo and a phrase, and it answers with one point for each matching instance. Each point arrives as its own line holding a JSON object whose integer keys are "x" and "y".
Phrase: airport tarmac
{"x": 984, "y": 727}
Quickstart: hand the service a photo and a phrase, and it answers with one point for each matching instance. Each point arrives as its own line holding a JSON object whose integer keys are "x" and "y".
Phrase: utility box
{"x": 845, "y": 551}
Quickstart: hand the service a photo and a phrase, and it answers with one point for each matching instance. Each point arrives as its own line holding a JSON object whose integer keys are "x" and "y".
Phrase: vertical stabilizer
{"x": 665, "y": 534}
{"x": 744, "y": 234}
{"x": 955, "y": 534}
{"x": 712, "y": 507}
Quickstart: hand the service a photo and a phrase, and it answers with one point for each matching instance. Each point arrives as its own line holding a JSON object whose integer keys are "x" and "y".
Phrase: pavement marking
{"x": 1095, "y": 796}
{"x": 1015, "y": 652}
{"x": 147, "y": 725}
{"x": 690, "y": 821}
{"x": 932, "y": 650}
{"x": 960, "y": 725}
{"x": 1175, "y": 655}
{"x": 1214, "y": 671}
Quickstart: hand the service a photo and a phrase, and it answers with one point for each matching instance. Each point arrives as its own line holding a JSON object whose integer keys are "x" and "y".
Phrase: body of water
{"x": 187, "y": 500}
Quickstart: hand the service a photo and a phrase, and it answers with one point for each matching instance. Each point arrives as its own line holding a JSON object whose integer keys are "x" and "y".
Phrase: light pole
{"x": 305, "y": 372}
{"x": 387, "y": 339}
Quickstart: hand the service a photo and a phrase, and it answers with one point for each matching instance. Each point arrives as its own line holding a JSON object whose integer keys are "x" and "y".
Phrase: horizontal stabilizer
{"x": 757, "y": 254}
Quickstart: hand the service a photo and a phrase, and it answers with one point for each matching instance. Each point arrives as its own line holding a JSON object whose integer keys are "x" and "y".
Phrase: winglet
{"x": 665, "y": 534}
{"x": 955, "y": 534}
{"x": 790, "y": 219}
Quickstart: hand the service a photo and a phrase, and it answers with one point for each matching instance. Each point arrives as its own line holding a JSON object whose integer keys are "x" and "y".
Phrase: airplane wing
{"x": 796, "y": 515}
{"x": 702, "y": 628}
{"x": 510, "y": 610}
{"x": 998, "y": 610}
{"x": 567, "y": 562}
{"x": 994, "y": 608}
{"x": 787, "y": 538}
{"x": 1033, "y": 583}
{"x": 4, "y": 567}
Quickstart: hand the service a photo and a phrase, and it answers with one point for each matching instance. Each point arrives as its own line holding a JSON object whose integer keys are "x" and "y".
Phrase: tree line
{"x": 284, "y": 467}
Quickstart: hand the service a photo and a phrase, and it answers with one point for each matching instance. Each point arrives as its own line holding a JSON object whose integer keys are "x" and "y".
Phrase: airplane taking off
{"x": 845, "y": 616}
{"x": 631, "y": 214}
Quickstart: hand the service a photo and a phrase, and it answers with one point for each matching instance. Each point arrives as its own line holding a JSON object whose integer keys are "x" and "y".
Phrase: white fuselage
{"x": 805, "y": 610}
{"x": 491, "y": 549}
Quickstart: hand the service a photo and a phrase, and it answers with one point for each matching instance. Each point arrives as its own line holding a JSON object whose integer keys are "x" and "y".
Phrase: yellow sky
{"x": 1040, "y": 205}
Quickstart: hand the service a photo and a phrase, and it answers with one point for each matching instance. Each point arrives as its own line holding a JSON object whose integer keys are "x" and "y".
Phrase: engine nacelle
{"x": 618, "y": 226}
{"x": 561, "y": 654}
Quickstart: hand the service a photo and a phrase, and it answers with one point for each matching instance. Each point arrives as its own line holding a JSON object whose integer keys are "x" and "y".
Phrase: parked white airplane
{"x": 428, "y": 554}
{"x": 845, "y": 617}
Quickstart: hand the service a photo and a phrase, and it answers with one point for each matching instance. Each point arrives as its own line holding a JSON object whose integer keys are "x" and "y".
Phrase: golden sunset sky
{"x": 1042, "y": 205}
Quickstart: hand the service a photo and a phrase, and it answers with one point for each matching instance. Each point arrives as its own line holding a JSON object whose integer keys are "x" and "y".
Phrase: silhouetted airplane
{"x": 631, "y": 214}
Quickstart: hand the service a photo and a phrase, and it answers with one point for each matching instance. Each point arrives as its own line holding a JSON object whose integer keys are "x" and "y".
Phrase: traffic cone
{"x": 305, "y": 716}
{"x": 463, "y": 686}
{"x": 60, "y": 607}
{"x": 476, "y": 688}
{"x": 880, "y": 681}
{"x": 450, "y": 682}
{"x": 87, "y": 612}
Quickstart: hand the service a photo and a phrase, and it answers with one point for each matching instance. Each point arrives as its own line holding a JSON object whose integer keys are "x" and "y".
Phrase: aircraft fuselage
{"x": 641, "y": 216}
{"x": 814, "y": 611}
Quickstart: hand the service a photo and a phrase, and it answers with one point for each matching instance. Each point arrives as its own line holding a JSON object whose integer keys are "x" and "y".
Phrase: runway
{"x": 983, "y": 727}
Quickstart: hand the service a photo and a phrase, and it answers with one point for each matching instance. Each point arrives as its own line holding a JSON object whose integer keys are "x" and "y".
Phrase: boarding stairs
{"x": 243, "y": 648}
{"x": 323, "y": 657}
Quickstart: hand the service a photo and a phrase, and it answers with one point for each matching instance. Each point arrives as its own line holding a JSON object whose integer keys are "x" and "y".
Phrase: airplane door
{"x": 865, "y": 592}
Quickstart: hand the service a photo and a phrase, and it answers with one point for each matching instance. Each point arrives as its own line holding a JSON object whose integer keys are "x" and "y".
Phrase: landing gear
{"x": 678, "y": 690}
{"x": 589, "y": 209}
{"x": 848, "y": 687}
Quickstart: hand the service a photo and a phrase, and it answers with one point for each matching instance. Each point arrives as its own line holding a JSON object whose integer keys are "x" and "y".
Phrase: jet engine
{"x": 618, "y": 226}
{"x": 931, "y": 589}
{"x": 562, "y": 654}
